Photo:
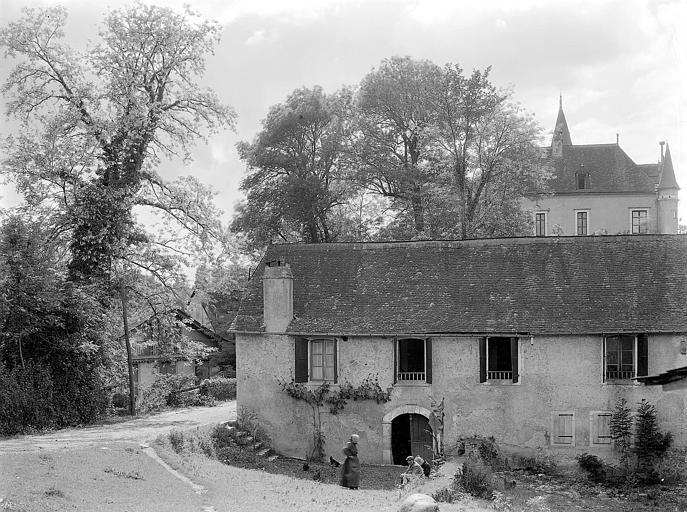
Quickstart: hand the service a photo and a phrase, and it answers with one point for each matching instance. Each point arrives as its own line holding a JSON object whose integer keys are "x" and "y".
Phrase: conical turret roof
{"x": 667, "y": 176}
{"x": 561, "y": 132}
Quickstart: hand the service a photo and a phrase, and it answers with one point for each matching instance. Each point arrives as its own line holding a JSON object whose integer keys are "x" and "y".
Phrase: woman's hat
{"x": 354, "y": 438}
{"x": 409, "y": 458}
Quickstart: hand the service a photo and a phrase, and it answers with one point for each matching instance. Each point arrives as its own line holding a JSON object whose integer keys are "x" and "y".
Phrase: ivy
{"x": 335, "y": 399}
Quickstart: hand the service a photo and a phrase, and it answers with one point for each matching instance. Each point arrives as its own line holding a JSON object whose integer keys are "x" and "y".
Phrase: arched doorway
{"x": 410, "y": 435}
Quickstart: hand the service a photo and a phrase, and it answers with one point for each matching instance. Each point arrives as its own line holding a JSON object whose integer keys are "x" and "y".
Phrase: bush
{"x": 219, "y": 388}
{"x": 484, "y": 449}
{"x": 36, "y": 398}
{"x": 163, "y": 393}
{"x": 176, "y": 439}
{"x": 476, "y": 478}
{"x": 593, "y": 466}
{"x": 446, "y": 495}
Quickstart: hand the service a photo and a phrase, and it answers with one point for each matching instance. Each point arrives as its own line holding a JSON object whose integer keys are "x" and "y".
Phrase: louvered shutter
{"x": 642, "y": 355}
{"x": 428, "y": 360}
{"x": 514, "y": 358}
{"x": 301, "y": 369}
{"x": 483, "y": 359}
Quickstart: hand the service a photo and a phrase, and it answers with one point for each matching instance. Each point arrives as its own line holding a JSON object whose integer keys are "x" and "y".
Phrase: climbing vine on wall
{"x": 335, "y": 398}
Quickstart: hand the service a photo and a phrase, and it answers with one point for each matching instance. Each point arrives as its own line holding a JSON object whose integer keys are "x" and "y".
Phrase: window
{"x": 322, "y": 359}
{"x": 168, "y": 368}
{"x": 499, "y": 359}
{"x": 316, "y": 360}
{"x": 582, "y": 180}
{"x": 626, "y": 356}
{"x": 540, "y": 224}
{"x": 640, "y": 222}
{"x": 600, "y": 428}
{"x": 581, "y": 222}
{"x": 413, "y": 360}
{"x": 563, "y": 428}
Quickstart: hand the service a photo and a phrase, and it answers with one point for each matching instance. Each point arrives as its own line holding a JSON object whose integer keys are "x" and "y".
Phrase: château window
{"x": 640, "y": 222}
{"x": 540, "y": 224}
{"x": 582, "y": 180}
{"x": 581, "y": 223}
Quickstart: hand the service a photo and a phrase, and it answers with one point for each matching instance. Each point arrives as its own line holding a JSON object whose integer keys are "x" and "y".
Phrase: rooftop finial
{"x": 560, "y": 100}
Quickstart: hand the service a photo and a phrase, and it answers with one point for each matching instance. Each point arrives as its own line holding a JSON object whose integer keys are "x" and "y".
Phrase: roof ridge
{"x": 476, "y": 242}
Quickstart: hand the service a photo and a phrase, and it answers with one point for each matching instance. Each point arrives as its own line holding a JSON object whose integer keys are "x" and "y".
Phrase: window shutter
{"x": 514, "y": 358}
{"x": 301, "y": 370}
{"x": 428, "y": 360}
{"x": 395, "y": 370}
{"x": 642, "y": 355}
{"x": 603, "y": 359}
{"x": 336, "y": 360}
{"x": 483, "y": 359}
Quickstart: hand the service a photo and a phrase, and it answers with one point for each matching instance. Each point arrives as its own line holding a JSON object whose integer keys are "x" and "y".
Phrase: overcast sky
{"x": 621, "y": 65}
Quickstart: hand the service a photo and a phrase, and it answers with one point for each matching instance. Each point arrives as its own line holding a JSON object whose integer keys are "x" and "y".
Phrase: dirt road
{"x": 138, "y": 430}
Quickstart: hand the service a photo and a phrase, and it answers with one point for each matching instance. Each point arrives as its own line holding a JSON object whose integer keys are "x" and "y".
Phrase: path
{"x": 138, "y": 430}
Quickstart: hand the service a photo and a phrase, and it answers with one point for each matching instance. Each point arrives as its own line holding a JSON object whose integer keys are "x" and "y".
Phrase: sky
{"x": 620, "y": 65}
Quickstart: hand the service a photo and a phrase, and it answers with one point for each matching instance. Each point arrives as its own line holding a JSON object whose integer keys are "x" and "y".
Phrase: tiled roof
{"x": 527, "y": 285}
{"x": 610, "y": 170}
{"x": 673, "y": 375}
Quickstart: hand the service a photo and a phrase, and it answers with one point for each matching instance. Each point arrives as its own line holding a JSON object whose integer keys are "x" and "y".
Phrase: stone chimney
{"x": 277, "y": 292}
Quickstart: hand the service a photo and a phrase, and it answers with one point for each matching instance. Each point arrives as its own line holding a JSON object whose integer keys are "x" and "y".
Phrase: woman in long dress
{"x": 350, "y": 471}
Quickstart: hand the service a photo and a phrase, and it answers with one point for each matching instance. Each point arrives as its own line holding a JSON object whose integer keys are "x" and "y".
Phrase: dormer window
{"x": 582, "y": 180}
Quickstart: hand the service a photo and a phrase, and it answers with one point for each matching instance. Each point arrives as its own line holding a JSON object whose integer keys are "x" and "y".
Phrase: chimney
{"x": 277, "y": 292}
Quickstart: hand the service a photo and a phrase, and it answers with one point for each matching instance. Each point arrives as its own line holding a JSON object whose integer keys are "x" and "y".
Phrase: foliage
{"x": 484, "y": 449}
{"x": 650, "y": 443}
{"x": 163, "y": 392}
{"x": 621, "y": 432}
{"x": 593, "y": 466}
{"x": 49, "y": 325}
{"x": 335, "y": 399}
{"x": 671, "y": 467}
{"x": 248, "y": 421}
{"x": 294, "y": 169}
{"x": 219, "y": 388}
{"x": 476, "y": 478}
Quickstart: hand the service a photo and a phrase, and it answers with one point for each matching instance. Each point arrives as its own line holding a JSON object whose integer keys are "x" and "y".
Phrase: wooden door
{"x": 420, "y": 437}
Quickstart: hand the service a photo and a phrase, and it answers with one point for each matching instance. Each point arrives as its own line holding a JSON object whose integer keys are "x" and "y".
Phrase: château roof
{"x": 667, "y": 174}
{"x": 515, "y": 285}
{"x": 561, "y": 131}
{"x": 608, "y": 167}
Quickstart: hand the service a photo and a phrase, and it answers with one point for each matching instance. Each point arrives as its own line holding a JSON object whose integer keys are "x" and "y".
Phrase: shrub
{"x": 219, "y": 388}
{"x": 484, "y": 449}
{"x": 650, "y": 443}
{"x": 593, "y": 466}
{"x": 476, "y": 478}
{"x": 446, "y": 495}
{"x": 176, "y": 439}
{"x": 671, "y": 468}
{"x": 163, "y": 393}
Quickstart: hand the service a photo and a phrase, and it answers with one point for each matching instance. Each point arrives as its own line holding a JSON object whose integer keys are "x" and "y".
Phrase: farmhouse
{"x": 531, "y": 340}
{"x": 153, "y": 355}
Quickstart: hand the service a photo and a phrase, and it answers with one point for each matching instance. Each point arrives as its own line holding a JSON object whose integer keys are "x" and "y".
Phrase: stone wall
{"x": 557, "y": 373}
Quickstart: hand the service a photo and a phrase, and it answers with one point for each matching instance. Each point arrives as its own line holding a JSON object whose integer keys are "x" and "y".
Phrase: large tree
{"x": 101, "y": 120}
{"x": 487, "y": 150}
{"x": 95, "y": 126}
{"x": 453, "y": 153}
{"x": 295, "y": 175}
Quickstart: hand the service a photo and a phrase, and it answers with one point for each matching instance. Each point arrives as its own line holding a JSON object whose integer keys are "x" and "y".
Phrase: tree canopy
{"x": 416, "y": 151}
{"x": 100, "y": 121}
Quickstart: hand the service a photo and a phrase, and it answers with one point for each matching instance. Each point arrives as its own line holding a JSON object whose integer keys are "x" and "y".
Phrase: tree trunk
{"x": 129, "y": 357}
{"x": 418, "y": 213}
